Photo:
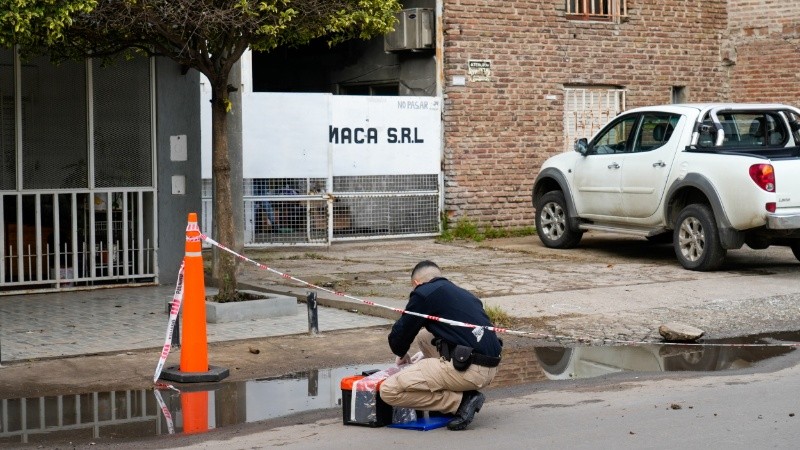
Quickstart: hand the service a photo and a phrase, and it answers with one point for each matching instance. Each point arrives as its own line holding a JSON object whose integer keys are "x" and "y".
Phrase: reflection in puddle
{"x": 558, "y": 363}
{"x": 132, "y": 414}
{"x": 86, "y": 418}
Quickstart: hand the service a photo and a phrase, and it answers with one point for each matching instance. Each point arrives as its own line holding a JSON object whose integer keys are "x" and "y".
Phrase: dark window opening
{"x": 678, "y": 94}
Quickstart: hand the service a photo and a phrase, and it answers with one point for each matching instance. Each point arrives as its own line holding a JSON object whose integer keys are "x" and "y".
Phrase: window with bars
{"x": 606, "y": 10}
{"x": 588, "y": 109}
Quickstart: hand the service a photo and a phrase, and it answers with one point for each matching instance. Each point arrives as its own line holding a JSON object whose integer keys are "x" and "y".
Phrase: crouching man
{"x": 456, "y": 363}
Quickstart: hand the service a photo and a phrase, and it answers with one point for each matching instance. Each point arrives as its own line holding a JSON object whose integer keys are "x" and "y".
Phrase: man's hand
{"x": 402, "y": 360}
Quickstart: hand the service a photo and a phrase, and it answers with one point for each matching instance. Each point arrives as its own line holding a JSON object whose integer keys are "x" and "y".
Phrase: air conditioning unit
{"x": 413, "y": 31}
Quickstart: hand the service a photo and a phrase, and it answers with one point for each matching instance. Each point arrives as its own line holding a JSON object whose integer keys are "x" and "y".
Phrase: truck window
{"x": 655, "y": 130}
{"x": 615, "y": 138}
{"x": 794, "y": 127}
{"x": 746, "y": 130}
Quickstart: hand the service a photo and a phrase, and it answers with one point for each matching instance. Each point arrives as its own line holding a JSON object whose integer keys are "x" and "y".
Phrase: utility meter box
{"x": 413, "y": 31}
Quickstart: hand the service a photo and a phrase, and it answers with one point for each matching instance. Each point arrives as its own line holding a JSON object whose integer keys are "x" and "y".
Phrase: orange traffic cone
{"x": 194, "y": 344}
{"x": 195, "y": 411}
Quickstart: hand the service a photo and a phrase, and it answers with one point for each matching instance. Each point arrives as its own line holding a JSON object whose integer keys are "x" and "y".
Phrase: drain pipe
{"x": 311, "y": 304}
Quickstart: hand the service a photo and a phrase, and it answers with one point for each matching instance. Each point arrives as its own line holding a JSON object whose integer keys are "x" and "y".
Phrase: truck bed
{"x": 755, "y": 152}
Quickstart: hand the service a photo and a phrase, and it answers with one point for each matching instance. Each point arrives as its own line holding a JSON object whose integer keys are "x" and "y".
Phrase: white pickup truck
{"x": 708, "y": 177}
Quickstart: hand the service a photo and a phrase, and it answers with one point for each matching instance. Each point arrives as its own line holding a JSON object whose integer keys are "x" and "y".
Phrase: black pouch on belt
{"x": 461, "y": 357}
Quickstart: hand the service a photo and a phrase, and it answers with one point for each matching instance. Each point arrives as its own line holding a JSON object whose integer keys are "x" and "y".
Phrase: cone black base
{"x": 173, "y": 373}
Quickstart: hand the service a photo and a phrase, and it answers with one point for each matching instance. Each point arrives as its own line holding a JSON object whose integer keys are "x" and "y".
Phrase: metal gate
{"x": 328, "y": 168}
{"x": 77, "y": 173}
{"x": 297, "y": 213}
{"x": 83, "y": 238}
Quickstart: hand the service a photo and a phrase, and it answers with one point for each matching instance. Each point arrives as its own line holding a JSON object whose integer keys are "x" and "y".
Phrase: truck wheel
{"x": 696, "y": 239}
{"x": 552, "y": 222}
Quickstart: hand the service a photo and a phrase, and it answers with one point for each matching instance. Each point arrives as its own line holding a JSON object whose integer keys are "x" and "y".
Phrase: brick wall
{"x": 519, "y": 365}
{"x": 763, "y": 51}
{"x": 498, "y": 133}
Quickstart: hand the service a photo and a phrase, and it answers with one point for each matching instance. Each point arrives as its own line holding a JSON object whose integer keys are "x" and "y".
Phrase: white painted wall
{"x": 296, "y": 135}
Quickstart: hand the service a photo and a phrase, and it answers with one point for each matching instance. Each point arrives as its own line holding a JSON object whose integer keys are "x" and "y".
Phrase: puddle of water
{"x": 558, "y": 363}
{"x": 96, "y": 416}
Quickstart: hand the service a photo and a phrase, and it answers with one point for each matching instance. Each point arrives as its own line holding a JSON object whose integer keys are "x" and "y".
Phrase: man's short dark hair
{"x": 423, "y": 265}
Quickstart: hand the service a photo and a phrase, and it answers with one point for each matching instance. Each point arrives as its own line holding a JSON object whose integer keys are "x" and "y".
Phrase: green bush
{"x": 497, "y": 316}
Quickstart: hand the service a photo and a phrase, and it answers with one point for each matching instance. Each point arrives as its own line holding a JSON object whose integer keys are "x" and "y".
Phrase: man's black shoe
{"x": 471, "y": 403}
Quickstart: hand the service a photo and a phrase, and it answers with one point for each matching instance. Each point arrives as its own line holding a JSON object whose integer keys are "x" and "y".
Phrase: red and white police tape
{"x": 478, "y": 330}
{"x": 175, "y": 307}
{"x": 165, "y": 411}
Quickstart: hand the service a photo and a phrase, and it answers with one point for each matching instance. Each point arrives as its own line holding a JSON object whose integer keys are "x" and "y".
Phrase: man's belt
{"x": 485, "y": 361}
{"x": 447, "y": 351}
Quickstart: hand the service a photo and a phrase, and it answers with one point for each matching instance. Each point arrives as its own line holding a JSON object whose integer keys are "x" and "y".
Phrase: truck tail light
{"x": 764, "y": 176}
{"x": 771, "y": 206}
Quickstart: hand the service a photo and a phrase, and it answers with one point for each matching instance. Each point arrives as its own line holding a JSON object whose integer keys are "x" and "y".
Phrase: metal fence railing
{"x": 96, "y": 414}
{"x": 300, "y": 211}
{"x": 55, "y": 240}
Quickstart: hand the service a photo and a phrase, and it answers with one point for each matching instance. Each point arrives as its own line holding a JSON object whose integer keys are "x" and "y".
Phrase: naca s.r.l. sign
{"x": 297, "y": 135}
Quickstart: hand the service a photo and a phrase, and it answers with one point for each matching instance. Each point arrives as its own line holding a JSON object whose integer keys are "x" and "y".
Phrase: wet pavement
{"x": 108, "y": 416}
{"x": 141, "y": 413}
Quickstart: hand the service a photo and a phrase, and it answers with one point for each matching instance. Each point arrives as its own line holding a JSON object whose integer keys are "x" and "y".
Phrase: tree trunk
{"x": 225, "y": 271}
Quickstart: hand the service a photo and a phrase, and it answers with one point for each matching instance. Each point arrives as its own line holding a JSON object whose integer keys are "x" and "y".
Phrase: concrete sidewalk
{"x": 38, "y": 326}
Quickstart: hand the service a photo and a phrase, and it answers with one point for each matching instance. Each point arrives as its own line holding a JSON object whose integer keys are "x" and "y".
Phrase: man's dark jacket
{"x": 441, "y": 298}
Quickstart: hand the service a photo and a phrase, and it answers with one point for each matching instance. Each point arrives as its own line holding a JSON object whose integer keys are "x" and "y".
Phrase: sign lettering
{"x": 405, "y": 136}
{"x": 394, "y": 135}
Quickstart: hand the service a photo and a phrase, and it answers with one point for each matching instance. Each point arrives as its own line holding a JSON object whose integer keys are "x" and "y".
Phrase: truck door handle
{"x": 613, "y": 166}
{"x": 659, "y": 164}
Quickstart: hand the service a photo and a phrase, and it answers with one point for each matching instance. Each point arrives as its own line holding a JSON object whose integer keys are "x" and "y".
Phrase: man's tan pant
{"x": 432, "y": 384}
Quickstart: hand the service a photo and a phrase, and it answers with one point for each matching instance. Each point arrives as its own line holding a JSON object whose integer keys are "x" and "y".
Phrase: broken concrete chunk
{"x": 680, "y": 332}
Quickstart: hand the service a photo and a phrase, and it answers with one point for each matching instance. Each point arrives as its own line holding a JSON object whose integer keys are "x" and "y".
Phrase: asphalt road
{"x": 745, "y": 409}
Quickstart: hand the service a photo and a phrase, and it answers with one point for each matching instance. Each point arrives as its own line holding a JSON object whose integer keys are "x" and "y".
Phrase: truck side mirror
{"x": 582, "y": 146}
